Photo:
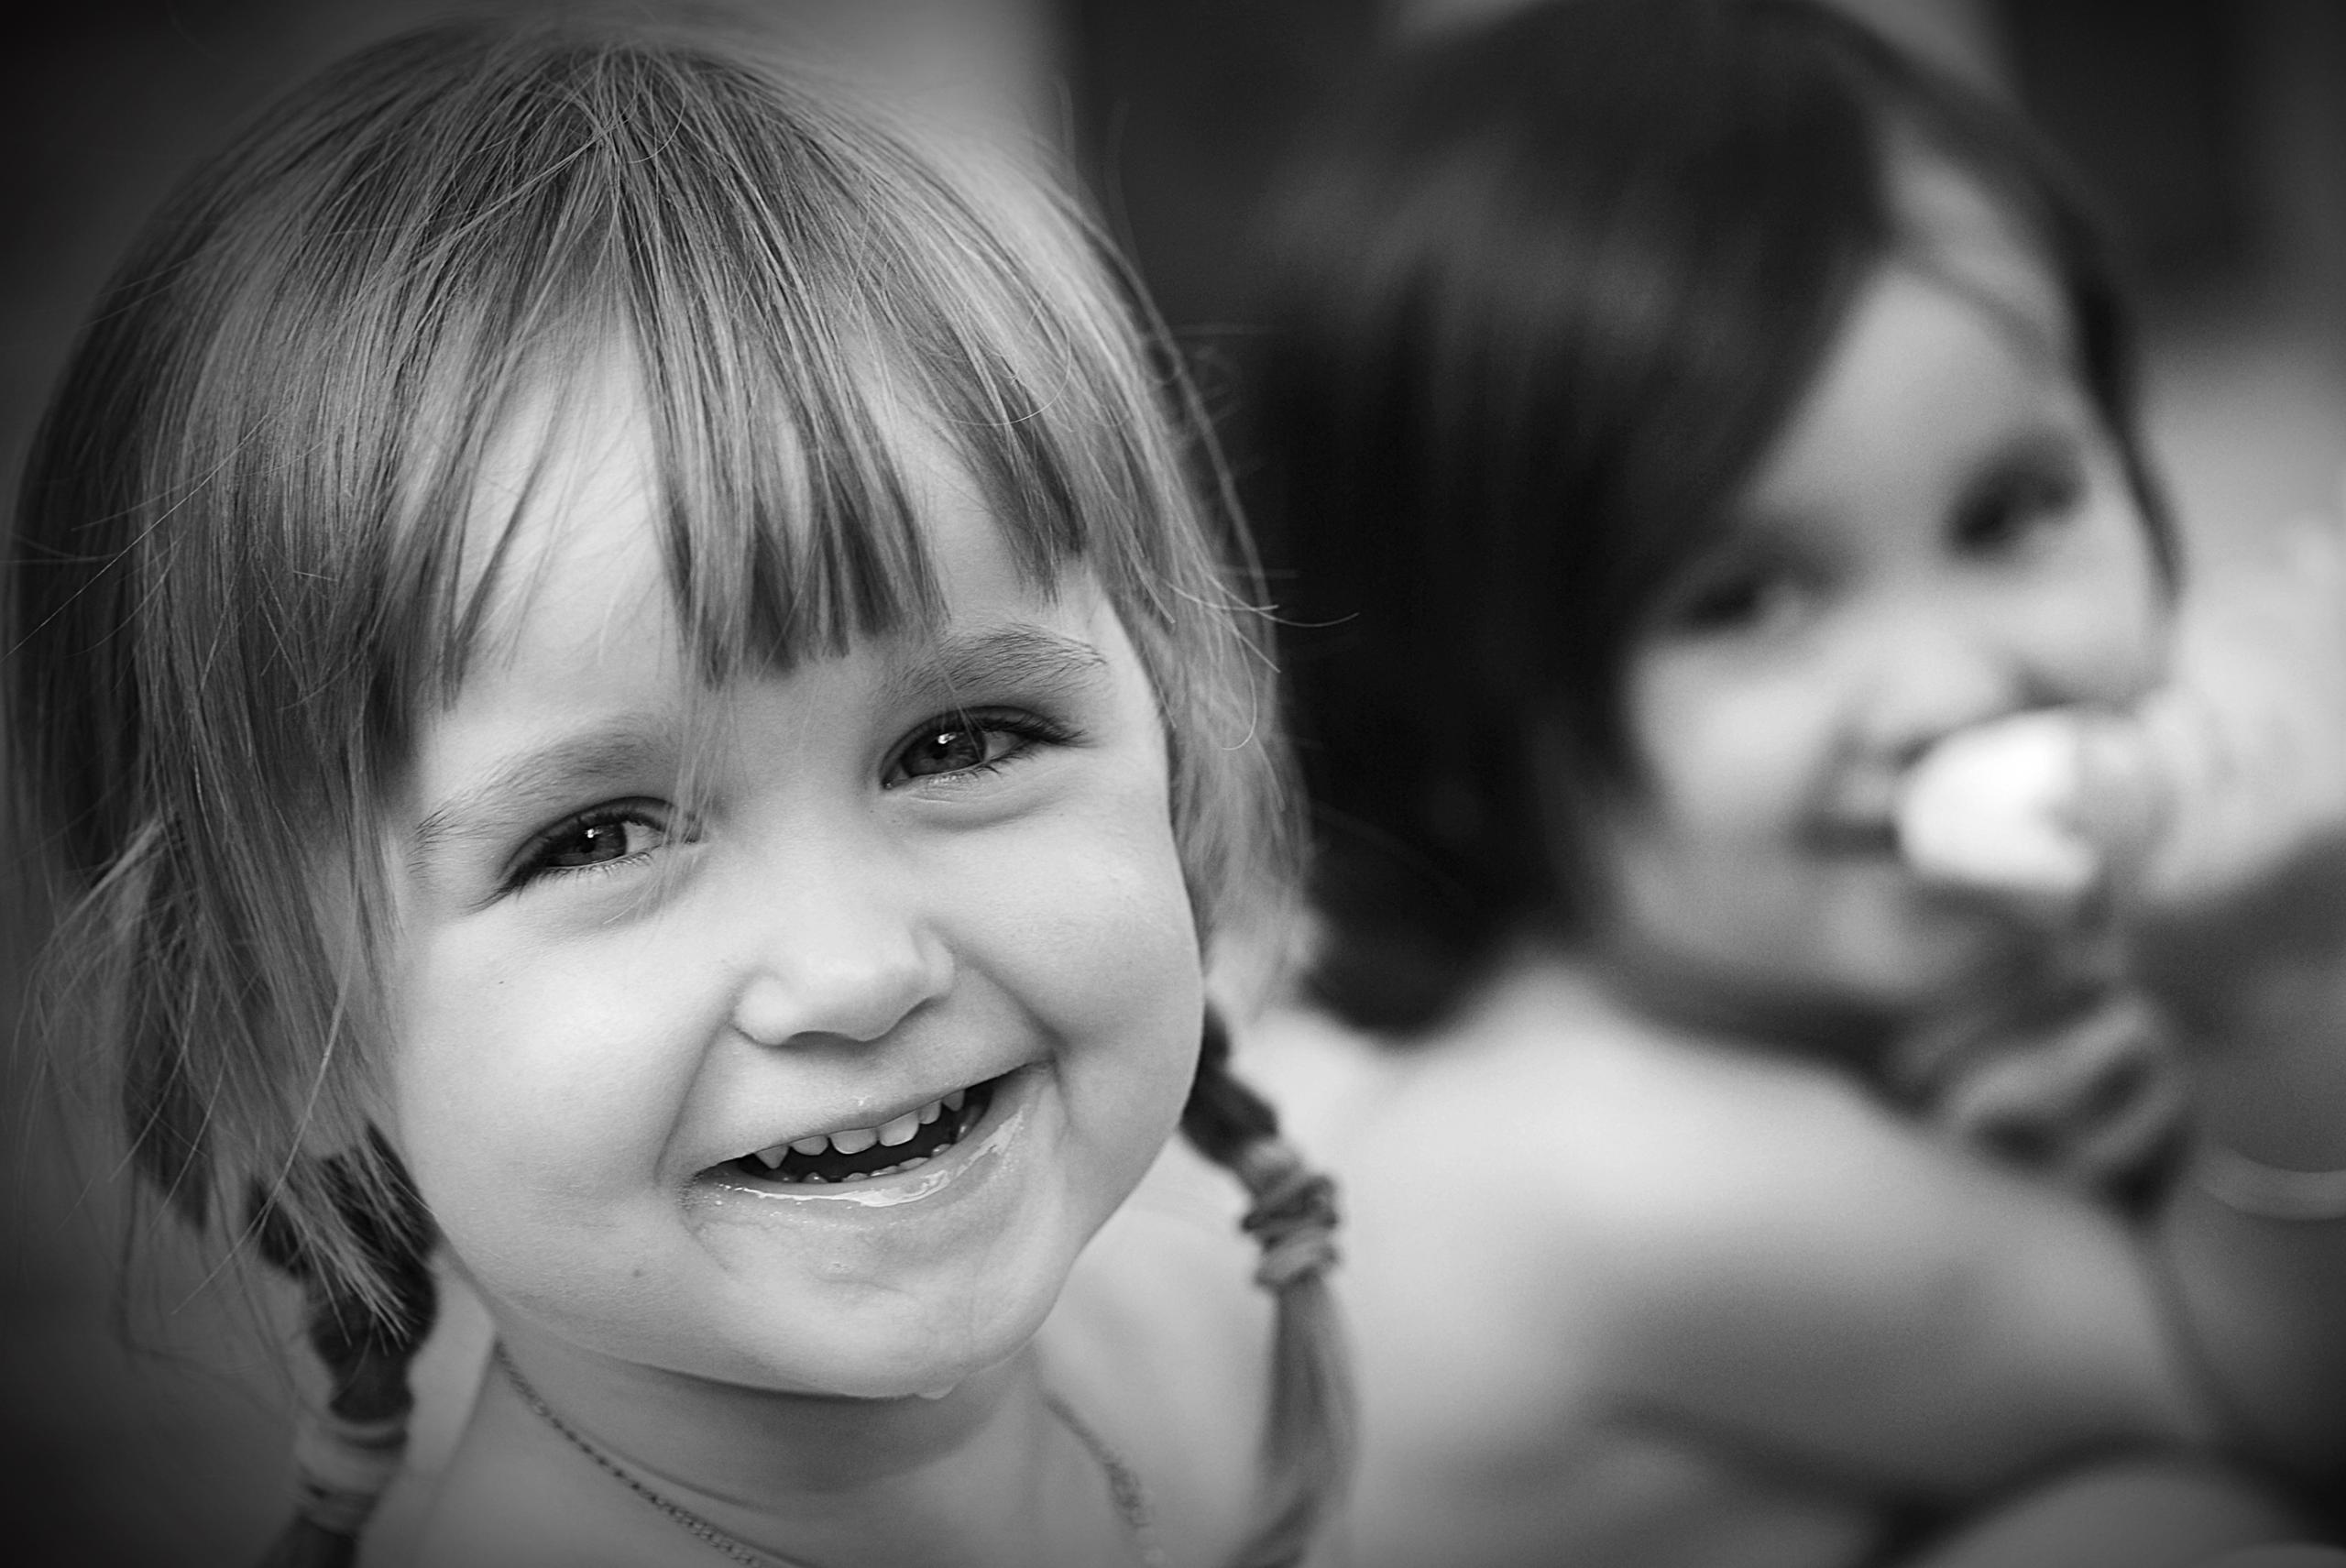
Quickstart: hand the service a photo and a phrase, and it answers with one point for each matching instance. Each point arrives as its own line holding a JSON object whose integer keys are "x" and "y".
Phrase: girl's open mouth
{"x": 859, "y": 1154}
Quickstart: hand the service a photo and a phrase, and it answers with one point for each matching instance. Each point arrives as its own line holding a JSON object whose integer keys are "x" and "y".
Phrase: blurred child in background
{"x": 1677, "y": 418}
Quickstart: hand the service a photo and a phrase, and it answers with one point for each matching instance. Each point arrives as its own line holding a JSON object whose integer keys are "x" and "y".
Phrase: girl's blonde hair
{"x": 241, "y": 545}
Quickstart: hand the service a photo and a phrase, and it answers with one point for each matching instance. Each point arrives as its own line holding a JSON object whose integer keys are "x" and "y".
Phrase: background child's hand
{"x": 2215, "y": 812}
{"x": 2081, "y": 1083}
{"x": 2247, "y": 742}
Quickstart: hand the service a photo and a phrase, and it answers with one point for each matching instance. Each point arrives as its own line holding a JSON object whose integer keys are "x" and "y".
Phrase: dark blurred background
{"x": 2215, "y": 130}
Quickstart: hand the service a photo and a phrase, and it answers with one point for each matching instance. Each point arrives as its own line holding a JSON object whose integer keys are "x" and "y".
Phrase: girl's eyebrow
{"x": 534, "y": 782}
{"x": 1021, "y": 654}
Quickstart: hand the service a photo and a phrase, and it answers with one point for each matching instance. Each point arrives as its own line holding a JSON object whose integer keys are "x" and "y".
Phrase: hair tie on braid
{"x": 345, "y": 1466}
{"x": 1294, "y": 1217}
{"x": 348, "y": 1450}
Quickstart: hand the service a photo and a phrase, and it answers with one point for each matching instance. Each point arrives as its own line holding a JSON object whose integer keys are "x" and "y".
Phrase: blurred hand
{"x": 2079, "y": 1083}
{"x": 2221, "y": 780}
{"x": 2210, "y": 819}
{"x": 2248, "y": 738}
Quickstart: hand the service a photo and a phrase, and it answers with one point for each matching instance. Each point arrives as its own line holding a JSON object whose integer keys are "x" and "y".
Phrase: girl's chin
{"x": 1897, "y": 938}
{"x": 1849, "y": 968}
{"x": 1901, "y": 991}
{"x": 880, "y": 1371}
{"x": 925, "y": 1339}
{"x": 801, "y": 1338}
{"x": 1848, "y": 999}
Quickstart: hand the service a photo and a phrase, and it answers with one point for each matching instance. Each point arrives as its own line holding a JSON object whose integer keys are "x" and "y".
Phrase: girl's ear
{"x": 344, "y": 1029}
{"x": 326, "y": 1136}
{"x": 350, "y": 1115}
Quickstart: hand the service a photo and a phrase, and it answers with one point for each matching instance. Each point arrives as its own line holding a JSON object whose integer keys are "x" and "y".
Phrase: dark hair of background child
{"x": 1542, "y": 298}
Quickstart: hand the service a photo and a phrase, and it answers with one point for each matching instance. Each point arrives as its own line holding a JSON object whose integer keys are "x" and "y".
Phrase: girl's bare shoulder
{"x": 1559, "y": 1192}
{"x": 1557, "y": 1108}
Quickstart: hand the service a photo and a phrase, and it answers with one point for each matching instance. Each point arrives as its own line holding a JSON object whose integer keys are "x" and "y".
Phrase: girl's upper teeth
{"x": 855, "y": 1140}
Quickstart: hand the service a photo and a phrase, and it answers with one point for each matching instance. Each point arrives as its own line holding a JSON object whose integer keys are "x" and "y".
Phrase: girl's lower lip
{"x": 975, "y": 1151}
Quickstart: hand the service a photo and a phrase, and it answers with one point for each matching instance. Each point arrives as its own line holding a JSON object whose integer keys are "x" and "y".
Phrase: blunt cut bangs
{"x": 245, "y": 570}
{"x": 1542, "y": 298}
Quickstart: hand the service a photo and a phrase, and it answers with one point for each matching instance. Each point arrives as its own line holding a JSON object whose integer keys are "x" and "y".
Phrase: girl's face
{"x": 1942, "y": 534}
{"x": 815, "y": 1073}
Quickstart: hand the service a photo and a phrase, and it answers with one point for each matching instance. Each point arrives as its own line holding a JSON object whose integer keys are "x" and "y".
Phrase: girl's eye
{"x": 965, "y": 743}
{"x": 2017, "y": 502}
{"x": 1750, "y": 599}
{"x": 605, "y": 836}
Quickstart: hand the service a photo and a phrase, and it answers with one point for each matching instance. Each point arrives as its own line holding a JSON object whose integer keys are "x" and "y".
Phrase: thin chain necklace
{"x": 1124, "y": 1488}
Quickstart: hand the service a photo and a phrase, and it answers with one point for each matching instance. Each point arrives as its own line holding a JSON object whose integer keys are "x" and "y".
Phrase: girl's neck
{"x": 982, "y": 1474}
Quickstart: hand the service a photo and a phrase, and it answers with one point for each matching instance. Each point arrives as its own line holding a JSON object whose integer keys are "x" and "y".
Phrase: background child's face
{"x": 1943, "y": 534}
{"x": 929, "y": 886}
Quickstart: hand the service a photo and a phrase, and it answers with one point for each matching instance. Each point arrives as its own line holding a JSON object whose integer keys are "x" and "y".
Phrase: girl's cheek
{"x": 557, "y": 1063}
{"x": 2115, "y": 617}
{"x": 1728, "y": 750}
{"x": 1091, "y": 929}
{"x": 1083, "y": 902}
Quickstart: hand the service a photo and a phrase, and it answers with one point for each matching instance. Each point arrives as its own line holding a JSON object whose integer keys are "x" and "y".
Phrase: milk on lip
{"x": 888, "y": 1191}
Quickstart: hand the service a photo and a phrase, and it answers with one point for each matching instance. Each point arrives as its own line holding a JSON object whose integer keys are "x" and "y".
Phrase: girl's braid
{"x": 349, "y": 1452}
{"x": 1306, "y": 1446}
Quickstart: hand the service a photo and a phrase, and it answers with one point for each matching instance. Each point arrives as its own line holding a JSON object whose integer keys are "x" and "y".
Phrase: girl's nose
{"x": 1924, "y": 674}
{"x": 846, "y": 957}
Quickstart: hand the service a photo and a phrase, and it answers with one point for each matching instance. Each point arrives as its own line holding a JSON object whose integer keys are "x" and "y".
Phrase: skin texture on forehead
{"x": 1953, "y": 232}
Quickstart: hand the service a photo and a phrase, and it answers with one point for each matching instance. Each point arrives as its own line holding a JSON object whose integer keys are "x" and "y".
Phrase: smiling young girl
{"x": 628, "y": 674}
{"x": 1677, "y": 416}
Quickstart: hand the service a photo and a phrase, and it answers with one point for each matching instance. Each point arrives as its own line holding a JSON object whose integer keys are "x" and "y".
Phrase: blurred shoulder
{"x": 1555, "y": 1098}
{"x": 1556, "y": 1179}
